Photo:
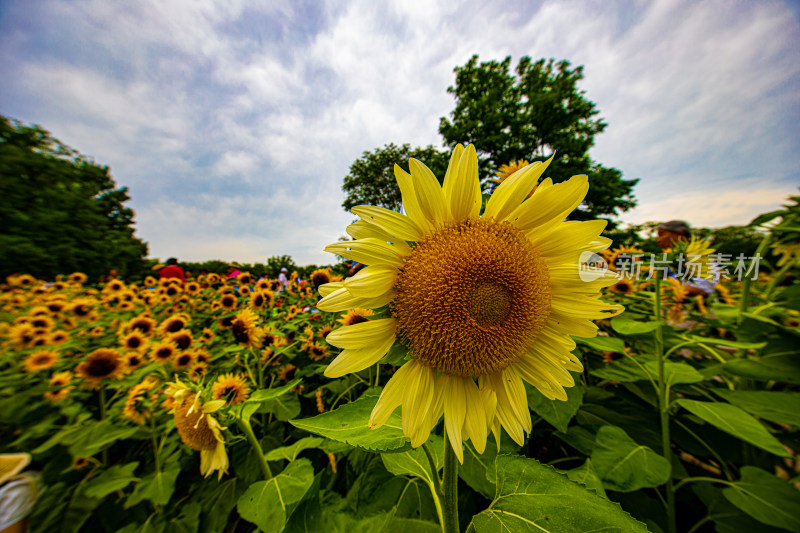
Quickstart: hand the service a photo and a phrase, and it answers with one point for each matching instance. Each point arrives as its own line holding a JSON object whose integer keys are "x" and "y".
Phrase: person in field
{"x": 672, "y": 232}
{"x": 172, "y": 270}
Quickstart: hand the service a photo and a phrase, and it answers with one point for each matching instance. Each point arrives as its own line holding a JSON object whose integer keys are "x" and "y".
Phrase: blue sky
{"x": 233, "y": 123}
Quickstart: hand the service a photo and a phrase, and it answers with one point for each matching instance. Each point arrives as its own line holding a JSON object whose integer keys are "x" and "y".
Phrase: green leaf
{"x": 475, "y": 468}
{"x": 218, "y": 506}
{"x": 784, "y": 368}
{"x": 284, "y": 408}
{"x": 602, "y": 344}
{"x": 624, "y": 465}
{"x": 766, "y": 498}
{"x": 96, "y": 437}
{"x": 187, "y": 522}
{"x": 414, "y": 462}
{"x": 558, "y": 413}
{"x": 775, "y": 406}
{"x": 270, "y": 394}
{"x": 627, "y": 326}
{"x": 626, "y": 369}
{"x": 291, "y": 452}
{"x": 115, "y": 478}
{"x": 156, "y": 487}
{"x": 534, "y": 497}
{"x": 587, "y": 476}
{"x": 269, "y": 504}
{"x": 736, "y": 422}
{"x": 726, "y": 342}
{"x": 264, "y": 400}
{"x": 675, "y": 373}
{"x": 348, "y": 424}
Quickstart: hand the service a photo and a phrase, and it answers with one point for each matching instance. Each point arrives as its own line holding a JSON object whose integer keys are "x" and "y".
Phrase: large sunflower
{"x": 481, "y": 302}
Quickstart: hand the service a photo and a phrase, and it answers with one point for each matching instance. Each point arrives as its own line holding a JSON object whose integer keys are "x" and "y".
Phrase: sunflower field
{"x": 397, "y": 400}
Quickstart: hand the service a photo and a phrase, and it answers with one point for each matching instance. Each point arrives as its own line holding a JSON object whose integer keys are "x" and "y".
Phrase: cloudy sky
{"x": 234, "y": 122}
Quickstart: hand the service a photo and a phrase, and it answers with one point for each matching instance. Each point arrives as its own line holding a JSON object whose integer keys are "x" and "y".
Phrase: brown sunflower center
{"x": 102, "y": 365}
{"x": 193, "y": 429}
{"x": 472, "y": 298}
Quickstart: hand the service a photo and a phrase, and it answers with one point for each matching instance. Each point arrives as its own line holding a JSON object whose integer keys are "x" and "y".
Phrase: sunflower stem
{"x": 450, "y": 489}
{"x": 103, "y": 417}
{"x": 247, "y": 429}
{"x": 436, "y": 484}
{"x": 663, "y": 407}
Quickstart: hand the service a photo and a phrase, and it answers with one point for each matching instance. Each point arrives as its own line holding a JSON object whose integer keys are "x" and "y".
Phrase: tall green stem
{"x": 663, "y": 406}
{"x": 450, "y": 488}
{"x": 247, "y": 429}
{"x": 103, "y": 417}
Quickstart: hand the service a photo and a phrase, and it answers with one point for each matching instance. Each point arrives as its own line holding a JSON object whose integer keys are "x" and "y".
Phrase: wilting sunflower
{"x": 232, "y": 388}
{"x": 492, "y": 298}
{"x": 41, "y": 360}
{"x": 101, "y": 364}
{"x": 59, "y": 379}
{"x": 245, "y": 329}
{"x": 198, "y": 429}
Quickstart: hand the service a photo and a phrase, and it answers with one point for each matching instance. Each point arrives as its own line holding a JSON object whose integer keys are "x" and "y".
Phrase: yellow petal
{"x": 391, "y": 222}
{"x": 391, "y": 397}
{"x": 581, "y": 306}
{"x": 363, "y": 334}
{"x": 429, "y": 193}
{"x": 569, "y": 325}
{"x": 508, "y": 196}
{"x": 410, "y": 202}
{"x": 355, "y": 360}
{"x": 550, "y": 204}
{"x": 417, "y": 399}
{"x": 455, "y": 410}
{"x": 371, "y": 281}
{"x": 568, "y": 239}
{"x": 329, "y": 288}
{"x": 362, "y": 229}
{"x": 461, "y": 185}
{"x": 369, "y": 251}
{"x": 475, "y": 422}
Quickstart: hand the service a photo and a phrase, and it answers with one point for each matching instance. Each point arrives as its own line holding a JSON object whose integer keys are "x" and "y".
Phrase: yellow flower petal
{"x": 475, "y": 421}
{"x": 461, "y": 185}
{"x": 364, "y": 334}
{"x": 329, "y": 288}
{"x": 429, "y": 193}
{"x": 507, "y": 197}
{"x": 392, "y": 222}
{"x": 369, "y": 251}
{"x": 411, "y": 204}
{"x": 550, "y": 204}
{"x": 371, "y": 280}
{"x": 391, "y": 397}
{"x": 455, "y": 410}
{"x": 362, "y": 229}
{"x": 342, "y": 300}
{"x": 355, "y": 360}
{"x": 417, "y": 399}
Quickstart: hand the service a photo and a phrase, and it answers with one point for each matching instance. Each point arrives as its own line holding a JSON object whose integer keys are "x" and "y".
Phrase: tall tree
{"x": 59, "y": 211}
{"x": 371, "y": 178}
{"x": 529, "y": 115}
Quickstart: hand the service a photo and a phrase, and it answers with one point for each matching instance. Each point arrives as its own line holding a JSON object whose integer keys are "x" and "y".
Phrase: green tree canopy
{"x": 529, "y": 115}
{"x": 371, "y": 179}
{"x": 59, "y": 211}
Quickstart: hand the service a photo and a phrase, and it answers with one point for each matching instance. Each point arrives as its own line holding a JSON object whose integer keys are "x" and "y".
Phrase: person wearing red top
{"x": 172, "y": 270}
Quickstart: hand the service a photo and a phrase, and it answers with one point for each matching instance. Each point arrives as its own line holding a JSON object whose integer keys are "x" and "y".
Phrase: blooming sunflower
{"x": 163, "y": 351}
{"x": 492, "y": 298}
{"x": 354, "y": 316}
{"x": 59, "y": 379}
{"x": 134, "y": 341}
{"x": 232, "y": 388}
{"x": 321, "y": 277}
{"x": 101, "y": 364}
{"x": 245, "y": 329}
{"x": 77, "y": 277}
{"x": 41, "y": 360}
{"x": 624, "y": 286}
{"x": 143, "y": 324}
{"x": 182, "y": 339}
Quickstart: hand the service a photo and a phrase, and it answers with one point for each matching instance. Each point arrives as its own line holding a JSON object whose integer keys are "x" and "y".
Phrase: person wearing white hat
{"x": 284, "y": 281}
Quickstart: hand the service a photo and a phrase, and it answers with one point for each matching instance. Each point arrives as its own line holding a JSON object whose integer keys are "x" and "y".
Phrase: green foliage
{"x": 371, "y": 179}
{"x": 276, "y": 262}
{"x": 529, "y": 115}
{"x": 59, "y": 211}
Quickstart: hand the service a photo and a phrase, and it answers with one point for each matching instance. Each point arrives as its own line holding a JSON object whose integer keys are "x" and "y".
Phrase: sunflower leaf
{"x": 556, "y": 412}
{"x": 736, "y": 422}
{"x": 532, "y": 496}
{"x": 269, "y": 504}
{"x": 624, "y": 465}
{"x": 348, "y": 424}
{"x": 775, "y": 406}
{"x": 766, "y": 498}
{"x": 627, "y": 326}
